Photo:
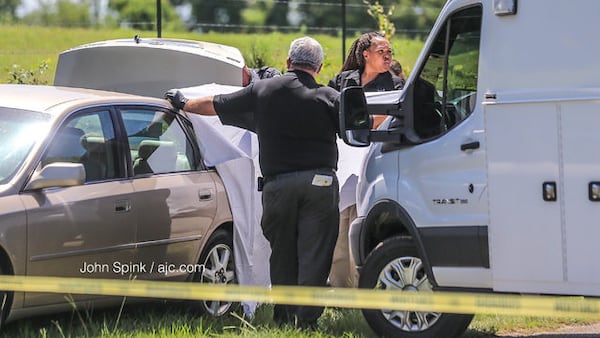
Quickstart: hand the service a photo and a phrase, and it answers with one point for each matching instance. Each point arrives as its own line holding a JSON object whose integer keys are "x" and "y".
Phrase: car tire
{"x": 218, "y": 268}
{"x": 396, "y": 260}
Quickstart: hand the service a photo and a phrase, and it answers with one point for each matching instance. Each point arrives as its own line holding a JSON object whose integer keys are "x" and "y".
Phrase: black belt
{"x": 263, "y": 180}
{"x": 292, "y": 173}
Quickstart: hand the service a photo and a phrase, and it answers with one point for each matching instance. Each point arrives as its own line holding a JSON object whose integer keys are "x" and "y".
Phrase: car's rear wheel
{"x": 219, "y": 268}
{"x": 396, "y": 265}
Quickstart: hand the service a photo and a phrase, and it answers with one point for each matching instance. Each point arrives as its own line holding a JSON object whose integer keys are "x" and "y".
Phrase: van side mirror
{"x": 355, "y": 122}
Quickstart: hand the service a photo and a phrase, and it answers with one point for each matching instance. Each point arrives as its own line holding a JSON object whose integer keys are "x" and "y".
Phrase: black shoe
{"x": 307, "y": 326}
{"x": 282, "y": 315}
{"x": 283, "y": 320}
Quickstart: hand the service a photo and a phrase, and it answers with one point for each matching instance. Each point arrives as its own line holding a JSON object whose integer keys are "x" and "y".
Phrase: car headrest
{"x": 148, "y": 147}
{"x": 92, "y": 143}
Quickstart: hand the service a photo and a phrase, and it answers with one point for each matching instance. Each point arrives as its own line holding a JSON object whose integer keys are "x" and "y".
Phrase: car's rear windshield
{"x": 20, "y": 130}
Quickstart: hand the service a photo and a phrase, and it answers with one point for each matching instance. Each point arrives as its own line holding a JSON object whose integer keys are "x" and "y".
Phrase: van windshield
{"x": 20, "y": 130}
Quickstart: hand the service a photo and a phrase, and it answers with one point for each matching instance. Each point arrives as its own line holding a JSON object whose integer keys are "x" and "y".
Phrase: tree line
{"x": 410, "y": 17}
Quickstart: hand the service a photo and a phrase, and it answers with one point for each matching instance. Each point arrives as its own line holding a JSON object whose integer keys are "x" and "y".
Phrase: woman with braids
{"x": 367, "y": 65}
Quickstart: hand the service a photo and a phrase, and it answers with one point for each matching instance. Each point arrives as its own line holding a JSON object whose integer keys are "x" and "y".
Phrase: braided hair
{"x": 356, "y": 59}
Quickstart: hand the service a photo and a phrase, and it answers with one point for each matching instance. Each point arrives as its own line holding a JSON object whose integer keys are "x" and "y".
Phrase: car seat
{"x": 155, "y": 156}
{"x": 94, "y": 160}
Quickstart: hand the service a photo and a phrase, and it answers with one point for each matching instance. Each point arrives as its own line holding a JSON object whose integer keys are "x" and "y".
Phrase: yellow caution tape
{"x": 449, "y": 302}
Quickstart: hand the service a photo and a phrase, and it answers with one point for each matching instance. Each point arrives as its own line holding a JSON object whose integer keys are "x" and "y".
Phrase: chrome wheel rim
{"x": 218, "y": 269}
{"x": 407, "y": 274}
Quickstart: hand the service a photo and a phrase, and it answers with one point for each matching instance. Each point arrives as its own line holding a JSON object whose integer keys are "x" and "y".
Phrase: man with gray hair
{"x": 296, "y": 122}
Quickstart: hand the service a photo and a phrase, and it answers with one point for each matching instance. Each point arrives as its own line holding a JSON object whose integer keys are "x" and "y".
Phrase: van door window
{"x": 446, "y": 88}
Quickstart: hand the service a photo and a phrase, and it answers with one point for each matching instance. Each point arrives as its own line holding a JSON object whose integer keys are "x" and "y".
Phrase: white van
{"x": 486, "y": 175}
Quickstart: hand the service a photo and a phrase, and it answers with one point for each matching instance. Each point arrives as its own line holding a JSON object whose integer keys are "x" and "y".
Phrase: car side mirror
{"x": 355, "y": 122}
{"x": 57, "y": 174}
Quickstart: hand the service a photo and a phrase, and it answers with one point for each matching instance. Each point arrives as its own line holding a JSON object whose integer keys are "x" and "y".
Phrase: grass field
{"x": 29, "y": 46}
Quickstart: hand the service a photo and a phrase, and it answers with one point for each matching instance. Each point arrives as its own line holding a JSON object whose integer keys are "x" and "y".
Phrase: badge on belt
{"x": 322, "y": 180}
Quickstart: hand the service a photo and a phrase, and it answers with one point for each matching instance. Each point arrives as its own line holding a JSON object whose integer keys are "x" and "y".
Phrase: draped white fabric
{"x": 234, "y": 153}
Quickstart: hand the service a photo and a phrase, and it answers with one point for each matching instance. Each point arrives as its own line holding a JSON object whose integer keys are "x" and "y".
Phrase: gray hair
{"x": 306, "y": 52}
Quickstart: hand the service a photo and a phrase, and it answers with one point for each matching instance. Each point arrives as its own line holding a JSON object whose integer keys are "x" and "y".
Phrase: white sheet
{"x": 234, "y": 153}
{"x": 349, "y": 166}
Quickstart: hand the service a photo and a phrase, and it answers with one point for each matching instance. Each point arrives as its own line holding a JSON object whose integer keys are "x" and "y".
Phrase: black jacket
{"x": 383, "y": 82}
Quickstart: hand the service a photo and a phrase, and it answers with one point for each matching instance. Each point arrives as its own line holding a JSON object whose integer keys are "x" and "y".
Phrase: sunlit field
{"x": 29, "y": 46}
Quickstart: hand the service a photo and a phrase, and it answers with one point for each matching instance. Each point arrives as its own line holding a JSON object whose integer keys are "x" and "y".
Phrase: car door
{"x": 176, "y": 196}
{"x": 449, "y": 166}
{"x": 87, "y": 230}
{"x": 446, "y": 172}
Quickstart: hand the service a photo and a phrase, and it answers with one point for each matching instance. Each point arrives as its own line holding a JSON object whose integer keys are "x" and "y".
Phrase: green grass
{"x": 29, "y": 46}
{"x": 180, "y": 319}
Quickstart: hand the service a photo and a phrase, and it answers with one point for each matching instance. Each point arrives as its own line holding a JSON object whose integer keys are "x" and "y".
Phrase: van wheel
{"x": 396, "y": 265}
{"x": 219, "y": 268}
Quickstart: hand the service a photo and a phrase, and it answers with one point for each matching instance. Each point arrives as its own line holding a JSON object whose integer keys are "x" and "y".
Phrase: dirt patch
{"x": 571, "y": 331}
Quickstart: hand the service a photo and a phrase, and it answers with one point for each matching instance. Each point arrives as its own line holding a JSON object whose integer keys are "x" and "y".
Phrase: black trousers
{"x": 300, "y": 221}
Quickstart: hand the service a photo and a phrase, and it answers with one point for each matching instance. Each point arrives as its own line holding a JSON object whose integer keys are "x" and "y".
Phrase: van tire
{"x": 399, "y": 257}
{"x": 218, "y": 248}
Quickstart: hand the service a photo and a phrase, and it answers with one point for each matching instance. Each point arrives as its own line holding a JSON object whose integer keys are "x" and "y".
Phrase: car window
{"x": 87, "y": 138}
{"x": 157, "y": 142}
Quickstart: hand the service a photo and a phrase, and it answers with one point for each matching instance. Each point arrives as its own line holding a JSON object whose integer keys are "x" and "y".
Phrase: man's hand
{"x": 177, "y": 99}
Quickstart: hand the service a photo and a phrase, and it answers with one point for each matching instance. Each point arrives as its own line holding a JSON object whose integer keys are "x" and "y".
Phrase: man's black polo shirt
{"x": 295, "y": 118}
